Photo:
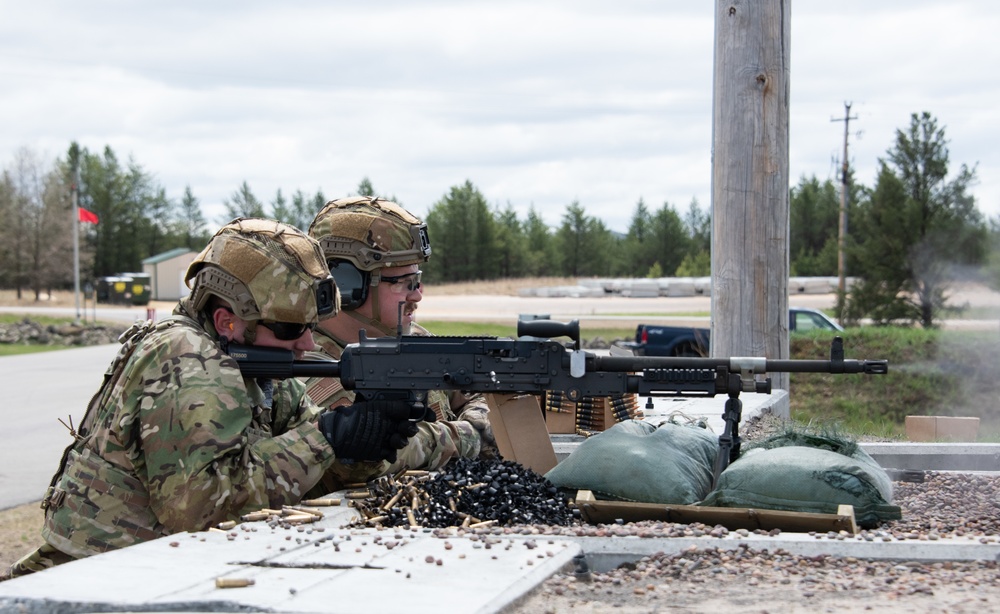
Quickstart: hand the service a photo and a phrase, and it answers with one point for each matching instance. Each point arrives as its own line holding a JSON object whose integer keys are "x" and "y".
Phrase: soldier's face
{"x": 402, "y": 286}
{"x": 266, "y": 338}
{"x": 234, "y": 328}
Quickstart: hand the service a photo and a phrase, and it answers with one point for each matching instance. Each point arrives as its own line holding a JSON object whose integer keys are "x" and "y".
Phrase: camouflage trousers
{"x": 40, "y": 559}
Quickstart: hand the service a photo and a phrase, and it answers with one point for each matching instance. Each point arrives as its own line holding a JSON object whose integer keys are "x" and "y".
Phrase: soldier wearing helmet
{"x": 176, "y": 439}
{"x": 374, "y": 249}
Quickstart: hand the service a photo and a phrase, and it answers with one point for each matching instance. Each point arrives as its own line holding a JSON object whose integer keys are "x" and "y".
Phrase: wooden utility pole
{"x": 750, "y": 206}
{"x": 842, "y": 226}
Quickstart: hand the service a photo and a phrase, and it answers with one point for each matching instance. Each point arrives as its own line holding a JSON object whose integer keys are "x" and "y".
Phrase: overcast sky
{"x": 536, "y": 103}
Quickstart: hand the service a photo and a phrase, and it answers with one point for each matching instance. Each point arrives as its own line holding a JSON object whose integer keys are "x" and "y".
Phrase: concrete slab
{"x": 936, "y": 456}
{"x": 606, "y": 553}
{"x": 317, "y": 568}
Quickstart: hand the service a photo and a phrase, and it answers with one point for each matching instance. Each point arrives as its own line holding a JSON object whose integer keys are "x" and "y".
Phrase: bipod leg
{"x": 729, "y": 441}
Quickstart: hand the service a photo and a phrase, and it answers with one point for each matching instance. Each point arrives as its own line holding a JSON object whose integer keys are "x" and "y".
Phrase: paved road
{"x": 40, "y": 389}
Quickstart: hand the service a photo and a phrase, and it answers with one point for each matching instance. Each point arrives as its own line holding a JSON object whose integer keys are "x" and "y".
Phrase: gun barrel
{"x": 639, "y": 363}
{"x": 316, "y": 368}
{"x": 870, "y": 367}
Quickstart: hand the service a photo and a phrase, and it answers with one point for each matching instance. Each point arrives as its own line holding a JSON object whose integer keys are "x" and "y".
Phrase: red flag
{"x": 87, "y": 217}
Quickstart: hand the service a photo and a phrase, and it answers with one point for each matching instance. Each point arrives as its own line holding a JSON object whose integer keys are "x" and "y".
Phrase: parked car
{"x": 658, "y": 340}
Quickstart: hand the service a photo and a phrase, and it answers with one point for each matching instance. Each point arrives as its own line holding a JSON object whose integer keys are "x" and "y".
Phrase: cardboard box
{"x": 560, "y": 421}
{"x": 519, "y": 428}
{"x": 941, "y": 428}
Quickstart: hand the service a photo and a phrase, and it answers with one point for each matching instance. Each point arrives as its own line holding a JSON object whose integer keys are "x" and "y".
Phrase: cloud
{"x": 538, "y": 104}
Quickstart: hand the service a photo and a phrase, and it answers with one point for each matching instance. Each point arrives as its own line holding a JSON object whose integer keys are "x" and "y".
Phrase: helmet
{"x": 266, "y": 270}
{"x": 360, "y": 234}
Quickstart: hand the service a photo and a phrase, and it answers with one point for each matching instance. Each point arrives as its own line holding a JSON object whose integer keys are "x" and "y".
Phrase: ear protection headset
{"x": 352, "y": 282}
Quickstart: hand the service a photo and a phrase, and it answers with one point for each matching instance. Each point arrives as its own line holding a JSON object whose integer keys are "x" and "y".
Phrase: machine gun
{"x": 408, "y": 367}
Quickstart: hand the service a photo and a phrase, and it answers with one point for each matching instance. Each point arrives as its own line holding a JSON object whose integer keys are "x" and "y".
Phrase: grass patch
{"x": 14, "y": 318}
{"x": 448, "y": 328}
{"x": 660, "y": 314}
{"x": 931, "y": 373}
{"x": 486, "y": 329}
{"x": 14, "y": 349}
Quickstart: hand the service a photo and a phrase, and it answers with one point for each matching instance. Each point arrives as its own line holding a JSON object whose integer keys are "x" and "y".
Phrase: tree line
{"x": 908, "y": 232}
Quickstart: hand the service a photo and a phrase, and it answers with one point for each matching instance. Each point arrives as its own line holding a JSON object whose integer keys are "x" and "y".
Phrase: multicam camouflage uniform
{"x": 359, "y": 236}
{"x": 176, "y": 439}
{"x": 453, "y": 435}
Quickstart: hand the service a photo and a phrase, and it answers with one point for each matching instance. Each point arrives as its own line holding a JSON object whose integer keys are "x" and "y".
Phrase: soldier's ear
{"x": 223, "y": 320}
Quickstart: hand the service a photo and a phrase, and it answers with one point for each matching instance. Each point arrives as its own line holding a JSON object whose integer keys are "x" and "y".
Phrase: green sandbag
{"x": 637, "y": 461}
{"x": 807, "y": 479}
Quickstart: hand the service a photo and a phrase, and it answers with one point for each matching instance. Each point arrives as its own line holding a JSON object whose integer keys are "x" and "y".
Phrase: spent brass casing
{"x": 233, "y": 582}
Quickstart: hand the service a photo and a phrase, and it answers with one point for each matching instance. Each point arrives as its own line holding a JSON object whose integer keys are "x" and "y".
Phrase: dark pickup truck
{"x": 656, "y": 340}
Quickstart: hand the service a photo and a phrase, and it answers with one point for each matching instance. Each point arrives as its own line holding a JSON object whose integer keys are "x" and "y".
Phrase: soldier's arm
{"x": 203, "y": 461}
{"x": 436, "y": 443}
{"x": 463, "y": 401}
{"x": 474, "y": 410}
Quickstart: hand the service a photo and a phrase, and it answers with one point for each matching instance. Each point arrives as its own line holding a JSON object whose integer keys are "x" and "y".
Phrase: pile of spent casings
{"x": 467, "y": 493}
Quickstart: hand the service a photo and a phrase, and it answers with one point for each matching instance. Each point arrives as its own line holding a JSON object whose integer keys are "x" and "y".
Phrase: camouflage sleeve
{"x": 436, "y": 443}
{"x": 475, "y": 410}
{"x": 202, "y": 459}
{"x": 462, "y": 403}
{"x": 292, "y": 406}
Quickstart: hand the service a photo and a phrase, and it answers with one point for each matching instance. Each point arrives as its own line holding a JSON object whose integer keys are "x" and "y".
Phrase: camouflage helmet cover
{"x": 266, "y": 270}
{"x": 371, "y": 233}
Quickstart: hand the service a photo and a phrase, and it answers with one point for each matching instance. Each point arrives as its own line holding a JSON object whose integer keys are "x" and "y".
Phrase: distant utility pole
{"x": 842, "y": 227}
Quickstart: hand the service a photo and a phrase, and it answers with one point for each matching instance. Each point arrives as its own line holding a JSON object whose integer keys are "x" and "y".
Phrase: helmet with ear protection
{"x": 361, "y": 234}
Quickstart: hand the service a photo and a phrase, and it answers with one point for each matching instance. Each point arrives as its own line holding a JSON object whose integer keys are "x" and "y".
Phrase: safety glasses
{"x": 287, "y": 331}
{"x": 402, "y": 284}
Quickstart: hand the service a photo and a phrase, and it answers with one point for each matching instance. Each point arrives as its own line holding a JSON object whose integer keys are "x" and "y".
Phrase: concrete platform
{"x": 314, "y": 568}
{"x": 936, "y": 456}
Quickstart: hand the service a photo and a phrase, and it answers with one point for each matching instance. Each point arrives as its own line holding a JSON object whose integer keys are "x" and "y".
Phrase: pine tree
{"x": 915, "y": 227}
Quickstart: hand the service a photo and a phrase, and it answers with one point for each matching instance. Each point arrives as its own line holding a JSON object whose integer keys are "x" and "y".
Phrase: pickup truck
{"x": 656, "y": 340}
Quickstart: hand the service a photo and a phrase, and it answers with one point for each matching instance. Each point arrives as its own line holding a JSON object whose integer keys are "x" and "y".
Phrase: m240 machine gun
{"x": 409, "y": 366}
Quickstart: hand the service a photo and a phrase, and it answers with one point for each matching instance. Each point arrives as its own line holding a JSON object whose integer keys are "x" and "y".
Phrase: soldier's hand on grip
{"x": 369, "y": 430}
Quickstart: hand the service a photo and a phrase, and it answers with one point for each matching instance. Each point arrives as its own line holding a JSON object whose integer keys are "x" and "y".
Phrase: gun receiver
{"x": 409, "y": 367}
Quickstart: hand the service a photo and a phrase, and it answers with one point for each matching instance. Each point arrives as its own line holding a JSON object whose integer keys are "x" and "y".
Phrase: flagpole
{"x": 74, "y": 191}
